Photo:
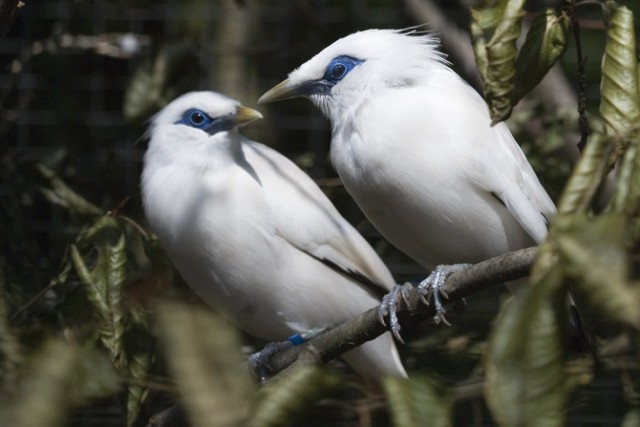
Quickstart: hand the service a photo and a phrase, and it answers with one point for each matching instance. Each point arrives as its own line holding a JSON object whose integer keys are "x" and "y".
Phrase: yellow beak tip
{"x": 277, "y": 93}
{"x": 246, "y": 115}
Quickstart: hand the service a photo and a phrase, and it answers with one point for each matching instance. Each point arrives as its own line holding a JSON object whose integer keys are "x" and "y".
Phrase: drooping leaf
{"x": 593, "y": 254}
{"x": 495, "y": 30}
{"x": 60, "y": 193}
{"x": 203, "y": 353}
{"x": 282, "y": 399}
{"x": 115, "y": 256}
{"x": 59, "y": 378}
{"x": 526, "y": 380}
{"x": 586, "y": 177}
{"x": 626, "y": 194}
{"x": 418, "y": 402}
{"x": 545, "y": 43}
{"x": 99, "y": 257}
{"x": 96, "y": 297}
{"x": 620, "y": 102}
{"x": 139, "y": 364}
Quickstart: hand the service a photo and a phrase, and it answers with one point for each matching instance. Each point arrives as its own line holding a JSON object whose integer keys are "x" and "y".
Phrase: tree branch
{"x": 344, "y": 337}
{"x": 8, "y": 14}
{"x": 583, "y": 124}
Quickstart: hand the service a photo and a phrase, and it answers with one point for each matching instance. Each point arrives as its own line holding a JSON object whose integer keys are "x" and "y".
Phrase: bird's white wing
{"x": 307, "y": 220}
{"x": 515, "y": 183}
{"x": 511, "y": 179}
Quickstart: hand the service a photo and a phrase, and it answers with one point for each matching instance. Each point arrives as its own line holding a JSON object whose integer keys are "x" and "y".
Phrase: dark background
{"x": 78, "y": 80}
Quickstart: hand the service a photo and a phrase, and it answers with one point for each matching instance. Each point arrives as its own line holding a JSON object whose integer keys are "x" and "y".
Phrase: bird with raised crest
{"x": 413, "y": 144}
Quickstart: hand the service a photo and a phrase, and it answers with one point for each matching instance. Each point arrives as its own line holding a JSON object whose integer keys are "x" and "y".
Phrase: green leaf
{"x": 94, "y": 293}
{"x": 586, "y": 177}
{"x": 139, "y": 365}
{"x": 419, "y": 401}
{"x": 115, "y": 256}
{"x": 286, "y": 396}
{"x": 203, "y": 353}
{"x": 526, "y": 380}
{"x": 626, "y": 194}
{"x": 620, "y": 103}
{"x": 546, "y": 41}
{"x": 495, "y": 31}
{"x": 59, "y": 378}
{"x": 593, "y": 255}
{"x": 107, "y": 245}
{"x": 61, "y": 194}
{"x": 103, "y": 272}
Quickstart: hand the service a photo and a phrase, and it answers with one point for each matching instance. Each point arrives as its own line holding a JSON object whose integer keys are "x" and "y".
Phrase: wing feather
{"x": 308, "y": 221}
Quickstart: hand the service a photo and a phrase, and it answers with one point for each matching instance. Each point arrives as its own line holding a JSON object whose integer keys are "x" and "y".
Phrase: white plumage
{"x": 252, "y": 234}
{"x": 413, "y": 144}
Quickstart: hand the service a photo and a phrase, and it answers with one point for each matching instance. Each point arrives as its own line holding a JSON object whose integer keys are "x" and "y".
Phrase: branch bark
{"x": 8, "y": 10}
{"x": 344, "y": 337}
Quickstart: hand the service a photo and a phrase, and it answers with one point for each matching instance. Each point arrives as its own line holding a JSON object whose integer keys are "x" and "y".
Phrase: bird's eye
{"x": 339, "y": 67}
{"x": 196, "y": 118}
{"x": 338, "y": 71}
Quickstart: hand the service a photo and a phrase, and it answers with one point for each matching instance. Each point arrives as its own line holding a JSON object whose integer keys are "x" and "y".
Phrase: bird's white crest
{"x": 392, "y": 58}
{"x": 252, "y": 234}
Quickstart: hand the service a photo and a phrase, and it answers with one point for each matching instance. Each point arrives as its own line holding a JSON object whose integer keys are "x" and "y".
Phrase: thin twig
{"x": 583, "y": 124}
{"x": 344, "y": 337}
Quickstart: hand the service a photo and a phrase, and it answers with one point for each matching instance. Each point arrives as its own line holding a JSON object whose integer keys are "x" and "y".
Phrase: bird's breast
{"x": 422, "y": 203}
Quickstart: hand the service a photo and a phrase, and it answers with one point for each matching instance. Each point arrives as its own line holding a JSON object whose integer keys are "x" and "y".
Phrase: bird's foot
{"x": 433, "y": 287}
{"x": 259, "y": 361}
{"x": 388, "y": 307}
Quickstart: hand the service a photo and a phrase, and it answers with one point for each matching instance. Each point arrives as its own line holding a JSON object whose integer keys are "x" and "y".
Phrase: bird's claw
{"x": 388, "y": 308}
{"x": 433, "y": 287}
{"x": 259, "y": 361}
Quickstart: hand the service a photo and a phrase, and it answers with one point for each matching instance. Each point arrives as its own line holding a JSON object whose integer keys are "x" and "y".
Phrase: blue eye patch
{"x": 198, "y": 119}
{"x": 339, "y": 67}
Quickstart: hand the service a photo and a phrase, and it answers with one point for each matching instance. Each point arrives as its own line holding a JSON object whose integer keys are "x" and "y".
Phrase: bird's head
{"x": 198, "y": 122}
{"x": 356, "y": 66}
{"x": 201, "y": 115}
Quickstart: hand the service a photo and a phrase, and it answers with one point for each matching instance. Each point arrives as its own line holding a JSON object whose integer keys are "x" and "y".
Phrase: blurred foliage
{"x": 210, "y": 381}
{"x": 81, "y": 324}
{"x": 495, "y": 31}
{"x": 287, "y": 397}
{"x": 417, "y": 401}
{"x": 59, "y": 377}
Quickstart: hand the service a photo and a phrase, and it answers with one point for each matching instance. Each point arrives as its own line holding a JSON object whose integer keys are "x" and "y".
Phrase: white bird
{"x": 414, "y": 146}
{"x": 253, "y": 235}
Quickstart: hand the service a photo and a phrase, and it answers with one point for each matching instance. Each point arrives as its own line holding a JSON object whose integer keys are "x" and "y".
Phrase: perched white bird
{"x": 414, "y": 146}
{"x": 253, "y": 235}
